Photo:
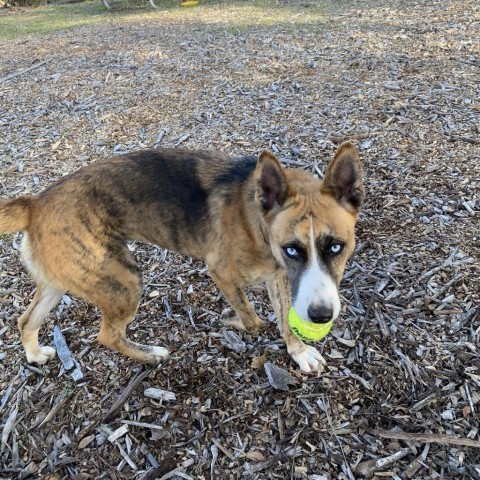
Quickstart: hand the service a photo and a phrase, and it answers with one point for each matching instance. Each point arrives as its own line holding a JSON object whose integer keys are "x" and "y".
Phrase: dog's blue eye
{"x": 336, "y": 248}
{"x": 291, "y": 252}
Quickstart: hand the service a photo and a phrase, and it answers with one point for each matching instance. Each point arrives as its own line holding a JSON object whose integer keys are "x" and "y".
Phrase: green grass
{"x": 233, "y": 15}
{"x": 48, "y": 19}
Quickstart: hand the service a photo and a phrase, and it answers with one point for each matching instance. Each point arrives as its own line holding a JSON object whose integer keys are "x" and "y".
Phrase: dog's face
{"x": 311, "y": 227}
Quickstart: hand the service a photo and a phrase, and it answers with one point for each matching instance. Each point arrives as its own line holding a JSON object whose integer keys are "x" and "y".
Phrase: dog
{"x": 248, "y": 218}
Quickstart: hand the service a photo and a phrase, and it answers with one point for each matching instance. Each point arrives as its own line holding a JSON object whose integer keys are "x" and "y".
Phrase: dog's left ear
{"x": 271, "y": 187}
{"x": 343, "y": 178}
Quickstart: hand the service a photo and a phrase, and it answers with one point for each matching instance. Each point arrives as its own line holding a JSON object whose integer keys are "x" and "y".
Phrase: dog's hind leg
{"x": 115, "y": 318}
{"x": 307, "y": 357}
{"x": 45, "y": 298}
{"x": 118, "y": 297}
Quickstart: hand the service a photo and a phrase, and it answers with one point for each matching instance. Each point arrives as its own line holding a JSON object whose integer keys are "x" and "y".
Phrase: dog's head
{"x": 311, "y": 225}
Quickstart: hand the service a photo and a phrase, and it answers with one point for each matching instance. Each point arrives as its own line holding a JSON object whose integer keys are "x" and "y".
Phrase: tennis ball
{"x": 308, "y": 331}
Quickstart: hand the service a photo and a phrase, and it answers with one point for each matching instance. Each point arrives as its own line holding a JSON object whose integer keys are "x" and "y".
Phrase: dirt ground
{"x": 400, "y": 397}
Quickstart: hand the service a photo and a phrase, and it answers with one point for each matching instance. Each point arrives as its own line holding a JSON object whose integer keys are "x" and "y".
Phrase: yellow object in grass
{"x": 189, "y": 3}
{"x": 308, "y": 331}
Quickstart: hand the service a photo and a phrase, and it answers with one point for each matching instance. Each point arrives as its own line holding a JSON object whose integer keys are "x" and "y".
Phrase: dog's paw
{"x": 41, "y": 356}
{"x": 309, "y": 360}
{"x": 230, "y": 318}
{"x": 160, "y": 352}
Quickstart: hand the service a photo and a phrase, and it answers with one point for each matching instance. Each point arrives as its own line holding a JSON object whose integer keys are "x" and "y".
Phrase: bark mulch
{"x": 400, "y": 395}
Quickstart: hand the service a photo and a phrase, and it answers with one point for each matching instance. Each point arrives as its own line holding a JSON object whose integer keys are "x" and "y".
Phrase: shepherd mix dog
{"x": 248, "y": 218}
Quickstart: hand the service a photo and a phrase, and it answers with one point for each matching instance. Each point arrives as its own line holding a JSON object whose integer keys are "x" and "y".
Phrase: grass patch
{"x": 25, "y": 21}
{"x": 234, "y": 15}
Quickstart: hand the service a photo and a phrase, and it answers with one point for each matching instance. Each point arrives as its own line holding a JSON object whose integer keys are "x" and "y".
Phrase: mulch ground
{"x": 400, "y": 397}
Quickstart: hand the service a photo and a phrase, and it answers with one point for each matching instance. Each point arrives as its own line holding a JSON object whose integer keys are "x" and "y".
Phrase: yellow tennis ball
{"x": 308, "y": 331}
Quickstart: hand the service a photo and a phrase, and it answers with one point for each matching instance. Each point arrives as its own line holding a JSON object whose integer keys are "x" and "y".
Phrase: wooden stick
{"x": 463, "y": 138}
{"x": 361, "y": 136}
{"x": 125, "y": 394}
{"x": 116, "y": 406}
{"x": 368, "y": 468}
{"x": 21, "y": 72}
{"x": 425, "y": 437}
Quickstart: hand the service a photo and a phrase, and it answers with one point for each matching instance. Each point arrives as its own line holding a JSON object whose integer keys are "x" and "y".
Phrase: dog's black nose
{"x": 320, "y": 314}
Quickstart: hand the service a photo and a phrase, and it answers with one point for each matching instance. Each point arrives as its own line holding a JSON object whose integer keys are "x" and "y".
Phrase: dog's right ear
{"x": 343, "y": 178}
{"x": 271, "y": 187}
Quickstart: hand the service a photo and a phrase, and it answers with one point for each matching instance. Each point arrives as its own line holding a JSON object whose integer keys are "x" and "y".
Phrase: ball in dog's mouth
{"x": 305, "y": 330}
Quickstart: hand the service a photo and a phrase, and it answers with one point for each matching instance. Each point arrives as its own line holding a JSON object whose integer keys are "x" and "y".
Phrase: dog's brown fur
{"x": 235, "y": 214}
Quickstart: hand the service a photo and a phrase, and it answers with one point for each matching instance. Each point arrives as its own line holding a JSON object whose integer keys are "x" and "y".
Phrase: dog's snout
{"x": 320, "y": 313}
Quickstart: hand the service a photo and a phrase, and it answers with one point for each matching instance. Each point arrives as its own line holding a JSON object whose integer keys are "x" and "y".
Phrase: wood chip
{"x": 278, "y": 377}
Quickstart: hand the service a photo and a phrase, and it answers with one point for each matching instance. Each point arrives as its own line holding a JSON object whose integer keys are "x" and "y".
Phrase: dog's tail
{"x": 15, "y": 214}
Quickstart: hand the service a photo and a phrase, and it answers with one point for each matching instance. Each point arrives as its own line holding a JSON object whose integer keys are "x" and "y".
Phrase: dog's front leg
{"x": 307, "y": 357}
{"x": 243, "y": 316}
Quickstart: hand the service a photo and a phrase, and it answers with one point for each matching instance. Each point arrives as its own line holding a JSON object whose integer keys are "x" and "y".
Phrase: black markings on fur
{"x": 239, "y": 171}
{"x": 118, "y": 251}
{"x": 228, "y": 314}
{"x": 137, "y": 346}
{"x": 129, "y": 264}
{"x": 77, "y": 241}
{"x": 323, "y": 245}
{"x": 102, "y": 197}
{"x": 173, "y": 230}
{"x": 295, "y": 270}
{"x": 168, "y": 186}
{"x": 158, "y": 196}
{"x": 299, "y": 220}
{"x": 301, "y": 251}
{"x": 85, "y": 221}
{"x": 113, "y": 285}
